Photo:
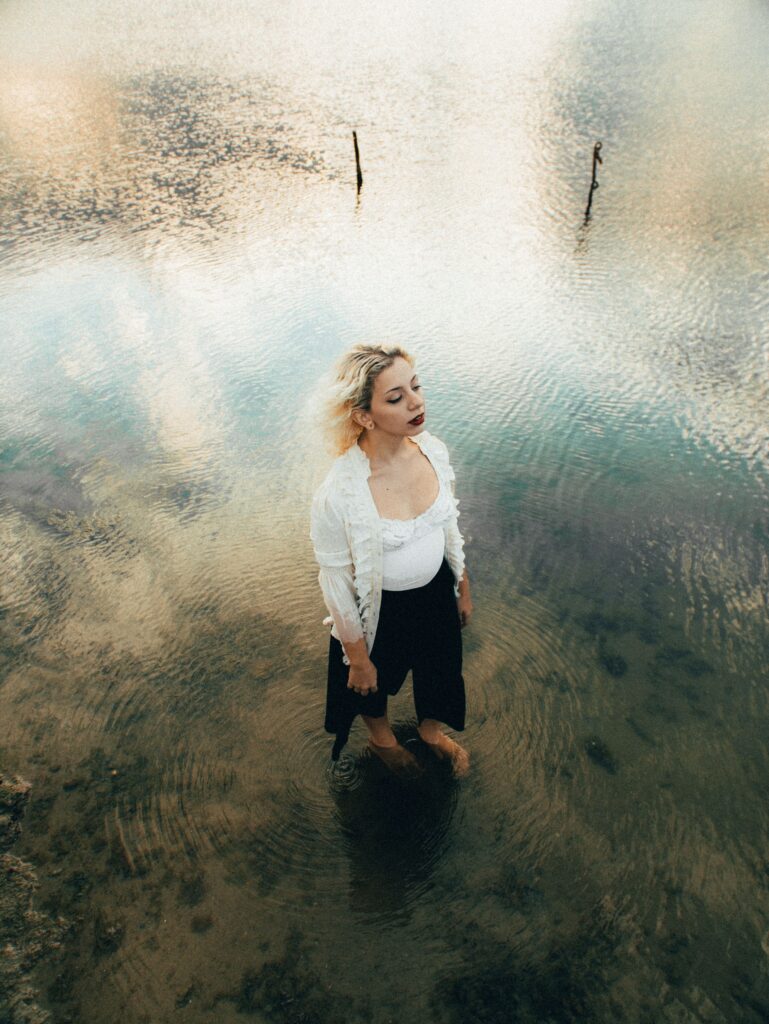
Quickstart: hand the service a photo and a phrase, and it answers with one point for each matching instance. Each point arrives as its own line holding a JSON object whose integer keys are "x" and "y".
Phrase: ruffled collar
{"x": 358, "y": 458}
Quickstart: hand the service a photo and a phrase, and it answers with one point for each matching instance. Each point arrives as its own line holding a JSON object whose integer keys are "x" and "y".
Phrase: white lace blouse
{"x": 348, "y": 538}
{"x": 413, "y": 549}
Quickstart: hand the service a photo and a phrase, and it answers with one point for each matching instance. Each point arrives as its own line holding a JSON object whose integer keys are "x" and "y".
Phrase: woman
{"x": 384, "y": 529}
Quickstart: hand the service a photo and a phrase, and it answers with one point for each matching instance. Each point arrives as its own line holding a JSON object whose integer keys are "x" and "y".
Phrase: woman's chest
{"x": 407, "y": 493}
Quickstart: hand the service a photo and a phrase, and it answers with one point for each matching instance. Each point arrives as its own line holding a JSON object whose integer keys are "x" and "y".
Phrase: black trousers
{"x": 418, "y": 630}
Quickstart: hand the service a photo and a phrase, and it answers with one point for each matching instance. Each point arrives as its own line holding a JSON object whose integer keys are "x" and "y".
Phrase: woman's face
{"x": 397, "y": 405}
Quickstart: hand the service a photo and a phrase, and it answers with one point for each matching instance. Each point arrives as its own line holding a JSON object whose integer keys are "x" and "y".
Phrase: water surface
{"x": 182, "y": 253}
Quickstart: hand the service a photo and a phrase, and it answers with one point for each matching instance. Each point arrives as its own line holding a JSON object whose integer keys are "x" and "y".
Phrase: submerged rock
{"x": 597, "y": 624}
{"x": 614, "y": 663}
{"x": 26, "y": 936}
{"x": 288, "y": 991}
{"x": 108, "y": 934}
{"x": 597, "y": 751}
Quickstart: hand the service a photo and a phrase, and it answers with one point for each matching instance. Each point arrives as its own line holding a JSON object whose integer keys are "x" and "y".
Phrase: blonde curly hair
{"x": 349, "y": 387}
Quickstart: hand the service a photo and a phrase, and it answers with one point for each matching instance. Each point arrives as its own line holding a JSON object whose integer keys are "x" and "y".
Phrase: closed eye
{"x": 394, "y": 401}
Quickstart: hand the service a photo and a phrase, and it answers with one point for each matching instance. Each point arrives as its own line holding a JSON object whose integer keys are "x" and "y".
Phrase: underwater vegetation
{"x": 28, "y": 935}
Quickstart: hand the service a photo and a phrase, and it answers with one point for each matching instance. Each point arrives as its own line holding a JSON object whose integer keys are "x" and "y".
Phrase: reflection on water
{"x": 181, "y": 255}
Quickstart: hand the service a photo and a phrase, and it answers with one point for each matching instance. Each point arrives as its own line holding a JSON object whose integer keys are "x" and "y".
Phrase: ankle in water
{"x": 447, "y": 749}
{"x": 396, "y": 758}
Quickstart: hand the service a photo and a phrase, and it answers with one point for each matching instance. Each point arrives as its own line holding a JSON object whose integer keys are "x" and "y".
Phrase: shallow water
{"x": 182, "y": 253}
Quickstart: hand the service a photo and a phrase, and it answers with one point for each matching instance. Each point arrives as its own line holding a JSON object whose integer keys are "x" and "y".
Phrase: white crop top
{"x": 413, "y": 549}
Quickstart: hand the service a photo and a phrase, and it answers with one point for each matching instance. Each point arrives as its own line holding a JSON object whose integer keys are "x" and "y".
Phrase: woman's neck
{"x": 384, "y": 449}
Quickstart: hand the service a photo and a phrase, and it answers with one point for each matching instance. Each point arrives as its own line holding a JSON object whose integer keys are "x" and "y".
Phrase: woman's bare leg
{"x": 380, "y": 731}
{"x": 382, "y": 742}
{"x": 444, "y": 747}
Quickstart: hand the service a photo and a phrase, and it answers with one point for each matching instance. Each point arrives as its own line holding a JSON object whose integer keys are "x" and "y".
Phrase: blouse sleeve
{"x": 332, "y": 553}
{"x": 453, "y": 535}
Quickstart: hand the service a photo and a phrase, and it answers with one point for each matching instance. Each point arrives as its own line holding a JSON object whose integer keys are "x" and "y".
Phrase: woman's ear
{"x": 361, "y": 417}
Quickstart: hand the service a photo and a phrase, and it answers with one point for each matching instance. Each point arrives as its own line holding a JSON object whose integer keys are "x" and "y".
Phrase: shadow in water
{"x": 395, "y": 831}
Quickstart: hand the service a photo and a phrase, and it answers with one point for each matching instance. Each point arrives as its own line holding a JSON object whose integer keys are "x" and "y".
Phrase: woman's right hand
{"x": 362, "y": 678}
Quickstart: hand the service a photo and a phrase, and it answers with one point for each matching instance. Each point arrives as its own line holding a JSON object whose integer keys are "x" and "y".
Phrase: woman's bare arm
{"x": 362, "y": 677}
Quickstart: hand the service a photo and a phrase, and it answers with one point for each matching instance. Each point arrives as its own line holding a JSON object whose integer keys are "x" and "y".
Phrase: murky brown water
{"x": 182, "y": 253}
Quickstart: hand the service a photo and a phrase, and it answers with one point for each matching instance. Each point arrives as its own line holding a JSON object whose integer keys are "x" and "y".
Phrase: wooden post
{"x": 594, "y": 181}
{"x": 357, "y": 160}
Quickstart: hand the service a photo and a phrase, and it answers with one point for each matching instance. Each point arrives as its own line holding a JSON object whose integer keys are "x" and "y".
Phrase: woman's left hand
{"x": 465, "y": 609}
{"x": 464, "y": 601}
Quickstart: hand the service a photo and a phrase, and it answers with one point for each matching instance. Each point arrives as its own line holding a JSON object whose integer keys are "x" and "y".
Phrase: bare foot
{"x": 399, "y": 760}
{"x": 446, "y": 749}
